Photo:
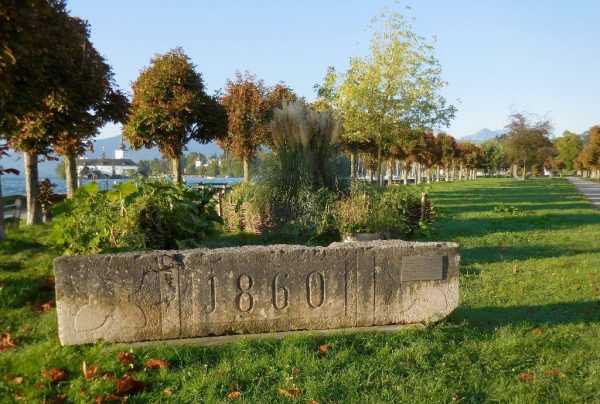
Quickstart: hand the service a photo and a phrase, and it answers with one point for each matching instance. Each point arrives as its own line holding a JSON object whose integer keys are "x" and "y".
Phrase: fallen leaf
{"x": 222, "y": 373}
{"x": 234, "y": 387}
{"x": 6, "y": 342}
{"x": 125, "y": 358}
{"x": 454, "y": 396}
{"x": 107, "y": 376}
{"x": 168, "y": 392}
{"x": 54, "y": 374}
{"x": 46, "y": 306}
{"x": 112, "y": 397}
{"x": 88, "y": 371}
{"x": 41, "y": 385}
{"x": 312, "y": 402}
{"x": 234, "y": 394}
{"x": 526, "y": 377}
{"x": 295, "y": 392}
{"x": 555, "y": 372}
{"x": 323, "y": 350}
{"x": 537, "y": 331}
{"x": 20, "y": 396}
{"x": 99, "y": 400}
{"x": 155, "y": 364}
{"x": 8, "y": 377}
{"x": 19, "y": 380}
{"x": 128, "y": 385}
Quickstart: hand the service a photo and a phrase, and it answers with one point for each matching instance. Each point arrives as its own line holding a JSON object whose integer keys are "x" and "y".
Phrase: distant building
{"x": 107, "y": 167}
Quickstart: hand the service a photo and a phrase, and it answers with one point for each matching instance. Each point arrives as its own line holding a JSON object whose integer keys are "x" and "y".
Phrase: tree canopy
{"x": 170, "y": 107}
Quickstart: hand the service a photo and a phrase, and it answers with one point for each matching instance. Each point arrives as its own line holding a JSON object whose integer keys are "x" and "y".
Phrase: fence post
{"x": 17, "y": 212}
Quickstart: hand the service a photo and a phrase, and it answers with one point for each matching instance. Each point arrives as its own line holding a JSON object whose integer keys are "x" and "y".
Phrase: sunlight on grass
{"x": 530, "y": 305}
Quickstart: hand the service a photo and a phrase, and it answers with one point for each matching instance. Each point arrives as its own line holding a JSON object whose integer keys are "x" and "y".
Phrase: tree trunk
{"x": 246, "y": 169}
{"x": 524, "y": 171}
{"x": 446, "y": 172}
{"x": 418, "y": 174}
{"x": 2, "y": 235}
{"x": 369, "y": 175}
{"x": 70, "y": 174}
{"x": 515, "y": 170}
{"x": 380, "y": 164}
{"x": 460, "y": 172}
{"x": 352, "y": 166}
{"x": 390, "y": 169}
{"x": 177, "y": 174}
{"x": 32, "y": 188}
{"x": 405, "y": 173}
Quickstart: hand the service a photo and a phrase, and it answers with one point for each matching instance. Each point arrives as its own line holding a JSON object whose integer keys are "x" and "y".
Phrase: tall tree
{"x": 589, "y": 158}
{"x": 494, "y": 156}
{"x": 170, "y": 108}
{"x": 527, "y": 142}
{"x": 42, "y": 61}
{"x": 448, "y": 152}
{"x": 398, "y": 84}
{"x": 568, "y": 146}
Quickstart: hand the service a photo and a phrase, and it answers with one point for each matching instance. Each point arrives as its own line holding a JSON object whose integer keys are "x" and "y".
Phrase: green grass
{"x": 530, "y": 302}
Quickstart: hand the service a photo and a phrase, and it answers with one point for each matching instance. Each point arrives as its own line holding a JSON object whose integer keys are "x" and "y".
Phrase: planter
{"x": 350, "y": 237}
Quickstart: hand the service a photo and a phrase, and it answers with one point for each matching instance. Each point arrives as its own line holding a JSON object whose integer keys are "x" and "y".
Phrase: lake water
{"x": 12, "y": 185}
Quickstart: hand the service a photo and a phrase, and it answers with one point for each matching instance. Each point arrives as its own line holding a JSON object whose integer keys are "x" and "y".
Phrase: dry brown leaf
{"x": 99, "y": 400}
{"x": 168, "y": 392}
{"x": 312, "y": 402}
{"x": 537, "y": 331}
{"x": 555, "y": 372}
{"x": 46, "y": 306}
{"x": 234, "y": 387}
{"x": 8, "y": 377}
{"x": 527, "y": 377}
{"x": 6, "y": 342}
{"x": 108, "y": 376}
{"x": 234, "y": 394}
{"x": 155, "y": 364}
{"x": 323, "y": 350}
{"x": 54, "y": 374}
{"x": 295, "y": 392}
{"x": 41, "y": 385}
{"x": 128, "y": 385}
{"x": 19, "y": 380}
{"x": 20, "y": 396}
{"x": 222, "y": 373}
{"x": 125, "y": 358}
{"x": 88, "y": 371}
{"x": 454, "y": 396}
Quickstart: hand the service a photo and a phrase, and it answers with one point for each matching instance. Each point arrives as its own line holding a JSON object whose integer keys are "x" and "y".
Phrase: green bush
{"x": 134, "y": 216}
{"x": 391, "y": 210}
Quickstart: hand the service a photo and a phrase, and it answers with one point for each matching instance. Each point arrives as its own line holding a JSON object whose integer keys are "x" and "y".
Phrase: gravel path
{"x": 590, "y": 189}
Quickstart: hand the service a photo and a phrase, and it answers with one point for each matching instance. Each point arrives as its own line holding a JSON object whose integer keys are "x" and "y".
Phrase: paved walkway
{"x": 590, "y": 189}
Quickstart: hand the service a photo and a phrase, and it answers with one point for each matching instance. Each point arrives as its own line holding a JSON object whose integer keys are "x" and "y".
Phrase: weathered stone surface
{"x": 194, "y": 293}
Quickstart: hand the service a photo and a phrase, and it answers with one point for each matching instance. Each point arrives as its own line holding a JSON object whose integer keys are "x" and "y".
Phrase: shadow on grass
{"x": 20, "y": 292}
{"x": 557, "y": 313}
{"x": 493, "y": 254}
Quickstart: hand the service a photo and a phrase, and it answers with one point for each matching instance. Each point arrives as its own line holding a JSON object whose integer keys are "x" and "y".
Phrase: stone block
{"x": 255, "y": 289}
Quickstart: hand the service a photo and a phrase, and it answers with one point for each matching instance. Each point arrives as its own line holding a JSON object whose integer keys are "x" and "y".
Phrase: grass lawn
{"x": 527, "y": 329}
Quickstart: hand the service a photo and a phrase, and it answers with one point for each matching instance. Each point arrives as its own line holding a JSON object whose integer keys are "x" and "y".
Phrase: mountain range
{"x": 481, "y": 136}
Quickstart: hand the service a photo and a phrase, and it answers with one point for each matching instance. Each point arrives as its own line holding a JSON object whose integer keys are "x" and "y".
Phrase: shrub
{"x": 134, "y": 216}
{"x": 394, "y": 211}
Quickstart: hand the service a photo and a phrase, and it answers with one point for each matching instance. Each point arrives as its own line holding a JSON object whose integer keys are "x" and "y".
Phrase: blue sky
{"x": 498, "y": 56}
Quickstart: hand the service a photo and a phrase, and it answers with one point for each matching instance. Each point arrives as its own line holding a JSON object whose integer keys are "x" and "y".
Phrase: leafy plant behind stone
{"x": 134, "y": 216}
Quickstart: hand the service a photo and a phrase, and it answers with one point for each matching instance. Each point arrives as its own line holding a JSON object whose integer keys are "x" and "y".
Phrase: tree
{"x": 448, "y": 152}
{"x": 250, "y": 105}
{"x": 568, "y": 146}
{"x": 494, "y": 156}
{"x": 396, "y": 86}
{"x": 589, "y": 158}
{"x": 170, "y": 108}
{"x": 471, "y": 156}
{"x": 527, "y": 142}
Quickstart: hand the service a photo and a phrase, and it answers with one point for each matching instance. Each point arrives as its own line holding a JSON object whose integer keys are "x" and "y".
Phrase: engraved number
{"x": 283, "y": 296}
{"x": 209, "y": 308}
{"x": 315, "y": 285}
{"x": 244, "y": 300}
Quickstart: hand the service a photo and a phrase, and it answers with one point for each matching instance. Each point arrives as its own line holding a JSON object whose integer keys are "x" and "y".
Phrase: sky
{"x": 498, "y": 56}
